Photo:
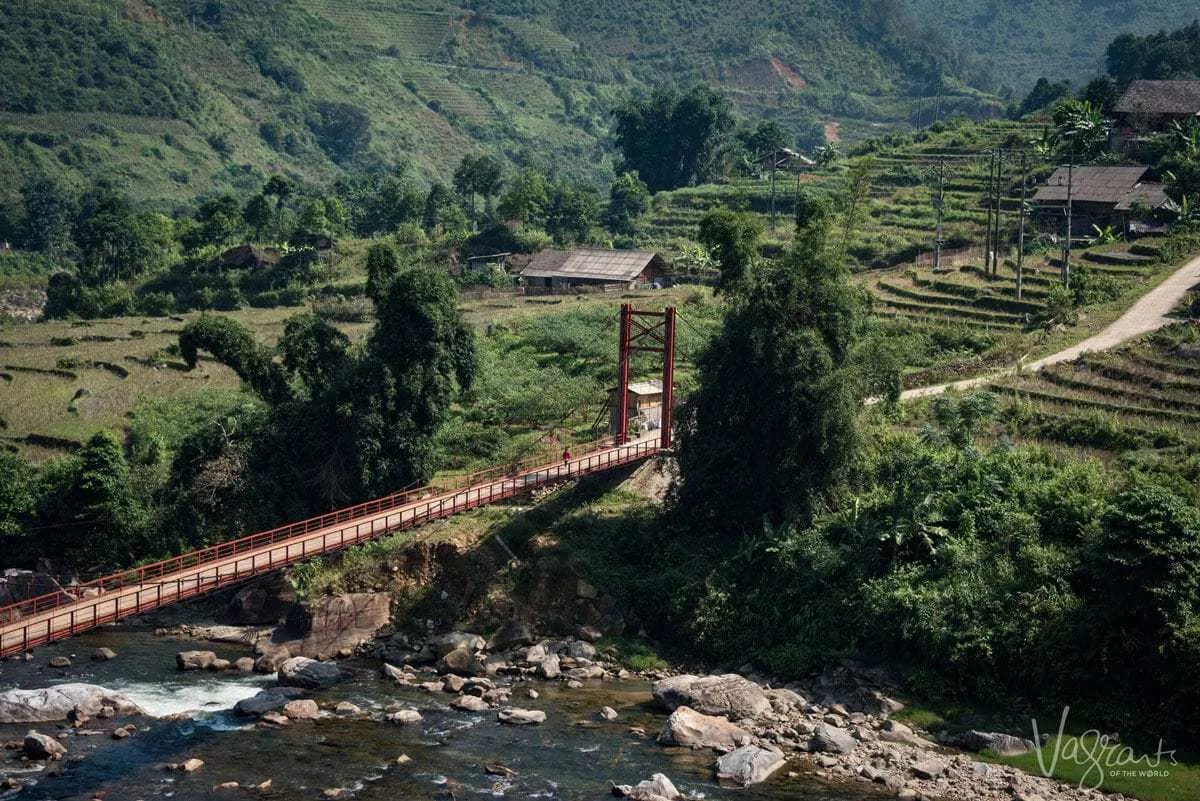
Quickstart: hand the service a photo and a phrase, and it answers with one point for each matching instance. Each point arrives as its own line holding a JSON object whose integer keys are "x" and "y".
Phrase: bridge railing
{"x": 176, "y": 564}
{"x": 105, "y": 607}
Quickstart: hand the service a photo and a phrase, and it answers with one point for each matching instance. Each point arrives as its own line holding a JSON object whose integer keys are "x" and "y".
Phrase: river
{"x": 574, "y": 755}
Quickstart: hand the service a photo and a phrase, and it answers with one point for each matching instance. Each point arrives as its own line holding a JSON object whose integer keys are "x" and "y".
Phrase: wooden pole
{"x": 1021, "y": 224}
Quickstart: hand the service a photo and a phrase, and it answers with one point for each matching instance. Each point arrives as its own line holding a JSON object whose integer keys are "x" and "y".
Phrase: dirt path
{"x": 1148, "y": 314}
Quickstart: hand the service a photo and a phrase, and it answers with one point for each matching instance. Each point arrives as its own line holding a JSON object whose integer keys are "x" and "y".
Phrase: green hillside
{"x": 1014, "y": 44}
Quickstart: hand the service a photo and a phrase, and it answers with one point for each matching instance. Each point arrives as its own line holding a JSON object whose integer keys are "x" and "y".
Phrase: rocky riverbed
{"x": 454, "y": 715}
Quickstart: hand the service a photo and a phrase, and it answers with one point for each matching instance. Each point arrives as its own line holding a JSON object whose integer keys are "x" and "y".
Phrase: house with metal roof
{"x": 1148, "y": 107}
{"x": 1100, "y": 195}
{"x": 571, "y": 268}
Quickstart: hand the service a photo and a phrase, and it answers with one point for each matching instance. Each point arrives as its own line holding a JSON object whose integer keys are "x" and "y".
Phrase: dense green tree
{"x": 766, "y": 137}
{"x": 772, "y": 427}
{"x": 526, "y": 198}
{"x": 1042, "y": 96}
{"x": 734, "y": 240}
{"x": 50, "y": 209}
{"x": 478, "y": 175}
{"x": 1157, "y": 56}
{"x": 18, "y": 500}
{"x": 380, "y": 204}
{"x": 231, "y": 343}
{"x": 628, "y": 200}
{"x": 257, "y": 214}
{"x": 219, "y": 220}
{"x": 117, "y": 243}
{"x": 383, "y": 262}
{"x": 343, "y": 130}
{"x": 1102, "y": 93}
{"x": 674, "y": 139}
{"x": 571, "y": 212}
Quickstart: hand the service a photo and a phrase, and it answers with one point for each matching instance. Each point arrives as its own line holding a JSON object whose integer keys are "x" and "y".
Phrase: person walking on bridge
{"x": 567, "y": 458}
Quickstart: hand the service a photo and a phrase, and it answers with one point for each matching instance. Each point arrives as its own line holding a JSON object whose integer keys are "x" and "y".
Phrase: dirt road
{"x": 1148, "y": 314}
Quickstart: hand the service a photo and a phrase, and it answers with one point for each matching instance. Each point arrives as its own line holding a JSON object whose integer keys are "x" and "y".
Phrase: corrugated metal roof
{"x": 1091, "y": 184}
{"x": 653, "y": 387}
{"x": 596, "y": 265}
{"x": 1160, "y": 97}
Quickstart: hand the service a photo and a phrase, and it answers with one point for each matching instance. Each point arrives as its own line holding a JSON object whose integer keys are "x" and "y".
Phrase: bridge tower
{"x": 646, "y": 332}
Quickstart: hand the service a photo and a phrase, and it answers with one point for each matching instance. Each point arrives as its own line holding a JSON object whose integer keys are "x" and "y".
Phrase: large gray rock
{"x": 729, "y": 695}
{"x": 514, "y": 634}
{"x": 300, "y": 671}
{"x": 833, "y": 740}
{"x": 271, "y": 699}
{"x": 929, "y": 768}
{"x": 749, "y": 764}
{"x": 57, "y": 702}
{"x": 339, "y": 624}
{"x": 443, "y": 644}
{"x": 549, "y": 668}
{"x": 659, "y": 786}
{"x": 687, "y": 727}
{"x": 521, "y": 717}
{"x": 581, "y": 650}
{"x": 996, "y": 742}
{"x": 194, "y": 660}
{"x": 461, "y": 661}
{"x": 42, "y": 746}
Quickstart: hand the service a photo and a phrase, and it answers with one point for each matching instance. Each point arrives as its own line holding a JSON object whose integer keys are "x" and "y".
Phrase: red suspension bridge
{"x": 61, "y": 614}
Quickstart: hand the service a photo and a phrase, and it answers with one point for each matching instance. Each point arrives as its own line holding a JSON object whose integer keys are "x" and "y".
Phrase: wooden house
{"x": 645, "y": 407}
{"x": 1099, "y": 195}
{"x": 574, "y": 268}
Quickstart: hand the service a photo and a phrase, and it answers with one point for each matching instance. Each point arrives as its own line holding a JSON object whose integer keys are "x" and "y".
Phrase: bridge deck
{"x": 59, "y": 615}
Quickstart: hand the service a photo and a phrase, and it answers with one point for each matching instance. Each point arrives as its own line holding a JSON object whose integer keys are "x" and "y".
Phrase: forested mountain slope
{"x": 1013, "y": 44}
{"x": 180, "y": 98}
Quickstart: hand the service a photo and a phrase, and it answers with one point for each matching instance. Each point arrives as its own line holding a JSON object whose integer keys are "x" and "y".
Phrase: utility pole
{"x": 999, "y": 209}
{"x": 774, "y": 160}
{"x": 939, "y": 204}
{"x": 1066, "y": 267}
{"x": 987, "y": 236}
{"x": 1021, "y": 224}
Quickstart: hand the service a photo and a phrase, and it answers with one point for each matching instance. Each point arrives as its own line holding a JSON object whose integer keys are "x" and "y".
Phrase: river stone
{"x": 404, "y": 716}
{"x": 729, "y": 695}
{"x": 534, "y": 654}
{"x": 59, "y": 662}
{"x": 103, "y": 654}
{"x": 929, "y": 768}
{"x": 57, "y": 702}
{"x": 42, "y": 746}
{"x": 194, "y": 660}
{"x": 460, "y": 661}
{"x": 300, "y": 671}
{"x": 996, "y": 742}
{"x": 608, "y": 713}
{"x": 453, "y": 684}
{"x": 581, "y": 650}
{"x": 268, "y": 700}
{"x": 337, "y": 625}
{"x": 443, "y": 644}
{"x": 548, "y": 668}
{"x": 895, "y": 732}
{"x": 244, "y": 664}
{"x": 394, "y": 673}
{"x": 657, "y": 785}
{"x": 586, "y": 672}
{"x": 220, "y": 664}
{"x": 833, "y": 740}
{"x": 301, "y": 709}
{"x": 521, "y": 717}
{"x": 687, "y": 727}
{"x": 191, "y": 765}
{"x": 749, "y": 764}
{"x": 470, "y": 703}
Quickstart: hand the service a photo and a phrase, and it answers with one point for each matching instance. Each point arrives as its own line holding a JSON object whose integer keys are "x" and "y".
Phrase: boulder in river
{"x": 301, "y": 709}
{"x": 103, "y": 654}
{"x": 57, "y": 702}
{"x": 470, "y": 703}
{"x": 549, "y": 668}
{"x": 749, "y": 764}
{"x": 300, "y": 671}
{"x": 42, "y": 746}
{"x": 194, "y": 660}
{"x": 271, "y": 699}
{"x": 729, "y": 695}
{"x": 443, "y": 644}
{"x": 515, "y": 716}
{"x": 405, "y": 716}
{"x": 461, "y": 661}
{"x": 687, "y": 727}
{"x": 60, "y": 662}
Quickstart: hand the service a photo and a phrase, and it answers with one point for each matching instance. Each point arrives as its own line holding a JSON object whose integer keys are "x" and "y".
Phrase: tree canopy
{"x": 673, "y": 139}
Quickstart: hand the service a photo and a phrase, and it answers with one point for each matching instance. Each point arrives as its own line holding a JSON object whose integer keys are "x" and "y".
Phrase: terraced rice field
{"x": 1144, "y": 395}
{"x": 416, "y": 35}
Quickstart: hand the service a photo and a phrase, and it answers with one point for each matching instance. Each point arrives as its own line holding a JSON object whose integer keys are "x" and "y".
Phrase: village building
{"x": 1103, "y": 196}
{"x": 1149, "y": 107}
{"x": 645, "y": 407}
{"x": 579, "y": 268}
{"x": 785, "y": 159}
